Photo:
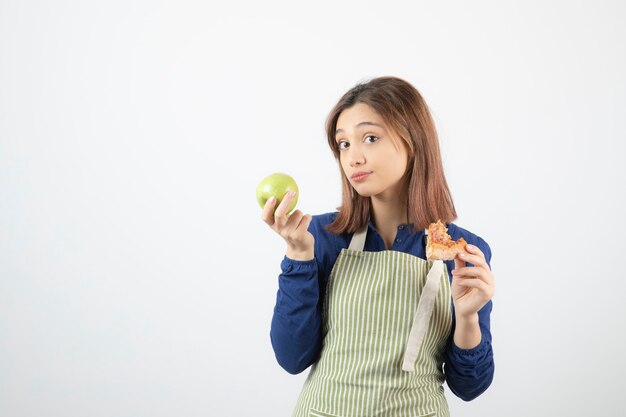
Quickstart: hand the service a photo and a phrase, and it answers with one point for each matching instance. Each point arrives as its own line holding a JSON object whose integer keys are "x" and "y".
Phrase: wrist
{"x": 467, "y": 334}
{"x": 466, "y": 319}
{"x": 299, "y": 255}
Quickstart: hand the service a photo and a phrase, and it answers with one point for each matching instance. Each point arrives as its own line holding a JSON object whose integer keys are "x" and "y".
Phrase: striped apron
{"x": 386, "y": 320}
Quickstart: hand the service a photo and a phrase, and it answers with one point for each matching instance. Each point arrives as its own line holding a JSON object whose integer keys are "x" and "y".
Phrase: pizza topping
{"x": 437, "y": 232}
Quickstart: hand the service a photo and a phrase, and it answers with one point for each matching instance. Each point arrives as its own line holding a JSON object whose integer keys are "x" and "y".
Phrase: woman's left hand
{"x": 472, "y": 287}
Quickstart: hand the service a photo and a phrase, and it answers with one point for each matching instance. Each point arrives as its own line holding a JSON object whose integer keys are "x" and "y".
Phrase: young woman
{"x": 352, "y": 293}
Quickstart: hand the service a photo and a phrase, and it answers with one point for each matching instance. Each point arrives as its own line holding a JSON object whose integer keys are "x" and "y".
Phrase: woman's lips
{"x": 360, "y": 176}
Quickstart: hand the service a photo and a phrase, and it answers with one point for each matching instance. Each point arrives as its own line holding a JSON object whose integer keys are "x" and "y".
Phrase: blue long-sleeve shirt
{"x": 296, "y": 324}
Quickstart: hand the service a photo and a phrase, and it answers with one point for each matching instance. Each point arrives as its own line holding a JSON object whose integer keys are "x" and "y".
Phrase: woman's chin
{"x": 364, "y": 191}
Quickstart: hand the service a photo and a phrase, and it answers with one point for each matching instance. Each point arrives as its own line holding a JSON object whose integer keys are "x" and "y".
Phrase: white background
{"x": 136, "y": 276}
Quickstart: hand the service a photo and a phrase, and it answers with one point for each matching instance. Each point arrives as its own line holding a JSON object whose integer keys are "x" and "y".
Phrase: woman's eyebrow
{"x": 365, "y": 123}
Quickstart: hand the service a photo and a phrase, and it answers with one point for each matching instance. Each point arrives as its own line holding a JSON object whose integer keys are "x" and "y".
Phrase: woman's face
{"x": 366, "y": 146}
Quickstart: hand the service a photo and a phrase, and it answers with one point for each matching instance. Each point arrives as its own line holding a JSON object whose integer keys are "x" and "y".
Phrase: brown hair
{"x": 405, "y": 112}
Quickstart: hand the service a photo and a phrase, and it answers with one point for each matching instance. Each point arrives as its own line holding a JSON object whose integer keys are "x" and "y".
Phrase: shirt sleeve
{"x": 295, "y": 331}
{"x": 469, "y": 372}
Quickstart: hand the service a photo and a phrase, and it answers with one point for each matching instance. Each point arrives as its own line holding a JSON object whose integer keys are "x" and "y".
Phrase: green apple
{"x": 276, "y": 185}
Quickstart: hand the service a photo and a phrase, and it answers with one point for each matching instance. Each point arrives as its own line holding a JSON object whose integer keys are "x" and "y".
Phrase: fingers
{"x": 473, "y": 255}
{"x": 476, "y": 279}
{"x": 293, "y": 221}
{"x": 472, "y": 283}
{"x": 482, "y": 286}
{"x": 289, "y": 226}
{"x": 268, "y": 211}
{"x": 281, "y": 214}
{"x": 303, "y": 226}
{"x": 296, "y": 227}
{"x": 474, "y": 272}
{"x": 468, "y": 271}
{"x": 271, "y": 213}
{"x": 458, "y": 263}
{"x": 296, "y": 221}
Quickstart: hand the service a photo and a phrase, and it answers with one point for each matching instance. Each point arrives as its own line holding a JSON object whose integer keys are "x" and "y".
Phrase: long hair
{"x": 405, "y": 112}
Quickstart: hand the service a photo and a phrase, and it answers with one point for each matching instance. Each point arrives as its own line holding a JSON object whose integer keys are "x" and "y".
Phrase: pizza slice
{"x": 440, "y": 246}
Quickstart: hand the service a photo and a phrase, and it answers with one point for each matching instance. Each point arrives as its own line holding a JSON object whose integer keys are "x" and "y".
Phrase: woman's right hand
{"x": 291, "y": 227}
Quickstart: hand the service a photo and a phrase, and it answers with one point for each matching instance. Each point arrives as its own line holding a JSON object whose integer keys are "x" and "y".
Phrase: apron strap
{"x": 357, "y": 242}
{"x": 421, "y": 320}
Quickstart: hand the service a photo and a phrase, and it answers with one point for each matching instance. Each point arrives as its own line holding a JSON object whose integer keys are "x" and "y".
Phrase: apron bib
{"x": 386, "y": 320}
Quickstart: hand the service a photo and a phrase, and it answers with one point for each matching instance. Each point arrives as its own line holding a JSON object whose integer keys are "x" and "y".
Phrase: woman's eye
{"x": 370, "y": 136}
{"x": 343, "y": 145}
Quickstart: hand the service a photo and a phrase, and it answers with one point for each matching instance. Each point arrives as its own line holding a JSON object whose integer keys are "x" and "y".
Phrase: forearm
{"x": 470, "y": 371}
{"x": 467, "y": 334}
{"x": 295, "y": 328}
{"x": 296, "y": 342}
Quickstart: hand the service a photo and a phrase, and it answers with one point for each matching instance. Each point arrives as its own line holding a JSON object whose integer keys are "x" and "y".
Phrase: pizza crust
{"x": 437, "y": 251}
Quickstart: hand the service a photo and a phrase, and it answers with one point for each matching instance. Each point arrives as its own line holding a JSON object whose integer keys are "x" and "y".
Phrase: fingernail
{"x": 470, "y": 247}
{"x": 271, "y": 200}
{"x": 462, "y": 255}
{"x": 292, "y": 193}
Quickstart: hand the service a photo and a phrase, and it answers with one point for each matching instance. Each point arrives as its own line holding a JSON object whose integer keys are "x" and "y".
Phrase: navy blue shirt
{"x": 296, "y": 324}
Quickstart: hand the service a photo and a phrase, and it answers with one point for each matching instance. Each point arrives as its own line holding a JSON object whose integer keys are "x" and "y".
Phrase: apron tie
{"x": 421, "y": 320}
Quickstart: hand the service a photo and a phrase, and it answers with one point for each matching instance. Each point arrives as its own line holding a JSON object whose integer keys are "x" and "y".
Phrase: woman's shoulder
{"x": 319, "y": 222}
{"x": 324, "y": 219}
{"x": 327, "y": 245}
{"x": 331, "y": 241}
{"x": 457, "y": 232}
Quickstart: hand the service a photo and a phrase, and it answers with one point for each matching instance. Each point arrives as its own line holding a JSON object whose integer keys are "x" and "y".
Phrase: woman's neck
{"x": 387, "y": 216}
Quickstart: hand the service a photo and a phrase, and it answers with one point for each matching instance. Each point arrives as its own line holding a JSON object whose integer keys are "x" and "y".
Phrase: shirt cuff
{"x": 289, "y": 264}
{"x": 472, "y": 355}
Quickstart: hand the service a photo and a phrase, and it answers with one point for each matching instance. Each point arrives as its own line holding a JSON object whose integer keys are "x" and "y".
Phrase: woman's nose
{"x": 356, "y": 158}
